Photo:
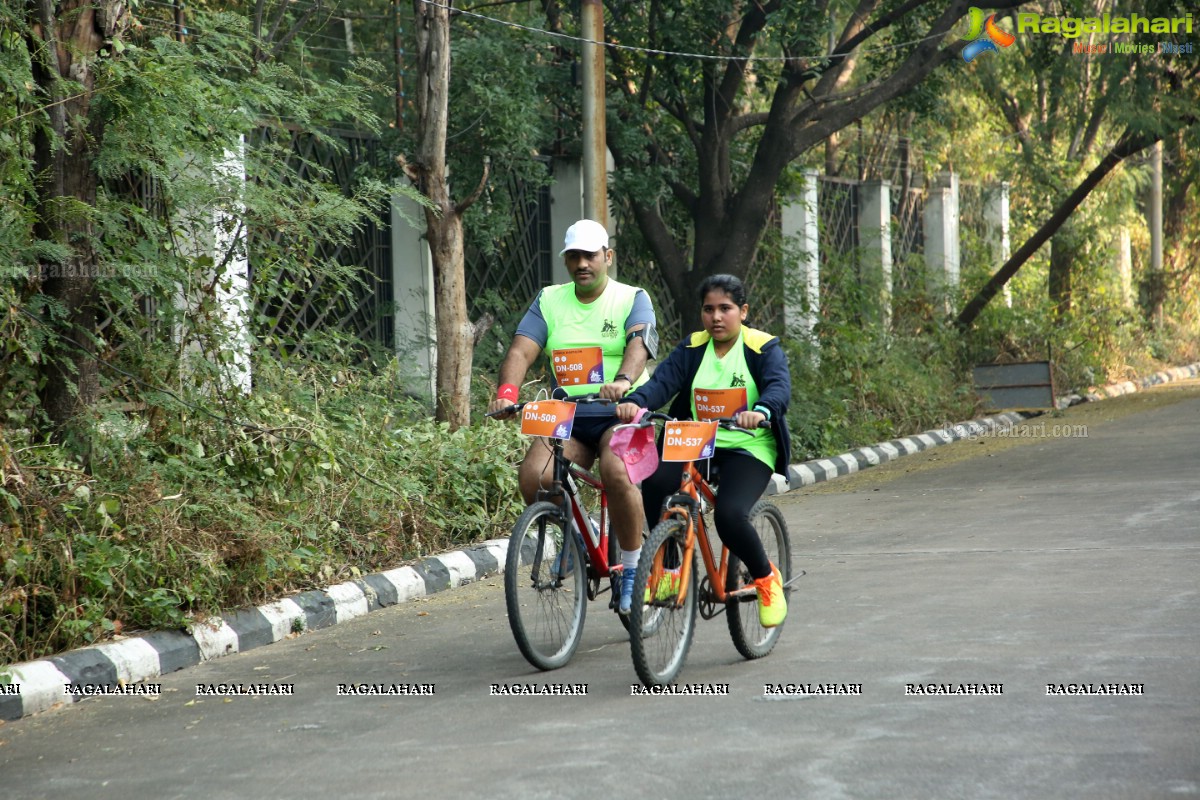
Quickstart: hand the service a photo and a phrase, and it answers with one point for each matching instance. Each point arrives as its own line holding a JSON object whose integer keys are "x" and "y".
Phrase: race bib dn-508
{"x": 551, "y": 418}
{"x": 577, "y": 366}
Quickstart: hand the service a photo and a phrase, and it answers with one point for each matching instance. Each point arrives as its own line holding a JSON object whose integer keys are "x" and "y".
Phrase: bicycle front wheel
{"x": 545, "y": 586}
{"x": 664, "y": 608}
{"x": 750, "y": 638}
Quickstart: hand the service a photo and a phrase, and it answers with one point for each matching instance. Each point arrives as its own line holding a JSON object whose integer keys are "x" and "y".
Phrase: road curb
{"x": 42, "y": 684}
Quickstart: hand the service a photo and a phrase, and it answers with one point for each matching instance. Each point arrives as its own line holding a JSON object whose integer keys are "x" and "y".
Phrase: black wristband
{"x": 621, "y": 376}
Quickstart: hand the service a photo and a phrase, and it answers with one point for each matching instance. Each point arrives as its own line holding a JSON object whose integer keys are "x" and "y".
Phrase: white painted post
{"x": 566, "y": 208}
{"x": 801, "y": 280}
{"x": 941, "y": 238}
{"x": 233, "y": 282}
{"x": 875, "y": 244}
{"x": 217, "y": 236}
{"x": 1125, "y": 266}
{"x": 412, "y": 294}
{"x": 995, "y": 215}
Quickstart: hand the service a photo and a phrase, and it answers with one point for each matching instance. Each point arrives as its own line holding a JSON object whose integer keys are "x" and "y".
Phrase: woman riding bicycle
{"x": 727, "y": 370}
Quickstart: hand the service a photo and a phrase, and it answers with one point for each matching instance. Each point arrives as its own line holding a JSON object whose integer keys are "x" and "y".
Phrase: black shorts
{"x": 589, "y": 429}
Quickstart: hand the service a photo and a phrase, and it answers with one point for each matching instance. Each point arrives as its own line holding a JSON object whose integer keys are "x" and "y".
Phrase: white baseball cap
{"x": 586, "y": 235}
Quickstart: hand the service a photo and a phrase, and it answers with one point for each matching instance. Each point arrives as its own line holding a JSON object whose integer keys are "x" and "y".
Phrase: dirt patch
{"x": 1074, "y": 421}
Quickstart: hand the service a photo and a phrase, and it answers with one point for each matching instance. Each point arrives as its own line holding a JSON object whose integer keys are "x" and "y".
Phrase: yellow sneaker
{"x": 772, "y": 607}
{"x": 668, "y": 585}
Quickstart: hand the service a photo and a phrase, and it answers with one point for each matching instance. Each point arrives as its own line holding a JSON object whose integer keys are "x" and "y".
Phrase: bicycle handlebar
{"x": 583, "y": 399}
{"x": 728, "y": 423}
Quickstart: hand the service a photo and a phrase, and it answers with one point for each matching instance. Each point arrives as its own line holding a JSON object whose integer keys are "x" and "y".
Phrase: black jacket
{"x": 768, "y": 366}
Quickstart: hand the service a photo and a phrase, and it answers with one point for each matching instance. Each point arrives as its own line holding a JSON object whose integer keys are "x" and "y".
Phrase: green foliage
{"x": 324, "y": 473}
{"x": 859, "y": 383}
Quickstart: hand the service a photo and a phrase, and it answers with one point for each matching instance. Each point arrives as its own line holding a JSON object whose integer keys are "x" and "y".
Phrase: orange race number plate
{"x": 578, "y": 366}
{"x": 551, "y": 418}
{"x": 714, "y": 403}
{"x": 689, "y": 441}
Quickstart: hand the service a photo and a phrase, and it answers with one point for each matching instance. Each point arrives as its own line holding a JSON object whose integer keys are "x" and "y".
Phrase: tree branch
{"x": 1127, "y": 145}
{"x": 462, "y": 207}
{"x": 295, "y": 29}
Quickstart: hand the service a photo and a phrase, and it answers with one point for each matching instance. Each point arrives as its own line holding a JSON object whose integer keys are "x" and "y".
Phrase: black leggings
{"x": 743, "y": 480}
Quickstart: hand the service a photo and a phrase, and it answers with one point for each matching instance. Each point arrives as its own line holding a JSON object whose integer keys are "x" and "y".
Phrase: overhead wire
{"x": 671, "y": 53}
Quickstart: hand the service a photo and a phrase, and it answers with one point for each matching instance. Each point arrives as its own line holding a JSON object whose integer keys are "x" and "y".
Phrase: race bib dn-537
{"x": 714, "y": 403}
{"x": 689, "y": 441}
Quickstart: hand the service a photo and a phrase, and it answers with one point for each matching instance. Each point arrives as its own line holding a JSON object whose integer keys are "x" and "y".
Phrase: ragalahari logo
{"x": 985, "y": 35}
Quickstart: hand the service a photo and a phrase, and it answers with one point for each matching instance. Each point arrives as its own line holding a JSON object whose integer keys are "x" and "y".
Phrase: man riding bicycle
{"x": 599, "y": 334}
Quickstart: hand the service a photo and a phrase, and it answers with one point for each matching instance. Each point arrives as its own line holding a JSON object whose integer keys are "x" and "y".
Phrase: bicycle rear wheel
{"x": 545, "y": 586}
{"x": 750, "y": 638}
{"x": 666, "y": 622}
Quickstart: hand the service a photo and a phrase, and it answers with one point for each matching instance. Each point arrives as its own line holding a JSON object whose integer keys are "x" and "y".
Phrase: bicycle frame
{"x": 686, "y": 504}
{"x": 566, "y": 476}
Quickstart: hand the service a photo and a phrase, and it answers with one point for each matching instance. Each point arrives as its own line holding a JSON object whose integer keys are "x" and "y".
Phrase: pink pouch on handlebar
{"x": 635, "y": 447}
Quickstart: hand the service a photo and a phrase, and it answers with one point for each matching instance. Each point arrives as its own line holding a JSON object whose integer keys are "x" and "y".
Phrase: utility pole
{"x": 399, "y": 48}
{"x": 595, "y": 161}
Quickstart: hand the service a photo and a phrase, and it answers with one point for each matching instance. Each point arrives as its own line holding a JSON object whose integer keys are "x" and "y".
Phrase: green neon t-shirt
{"x": 717, "y": 382}
{"x": 585, "y": 342}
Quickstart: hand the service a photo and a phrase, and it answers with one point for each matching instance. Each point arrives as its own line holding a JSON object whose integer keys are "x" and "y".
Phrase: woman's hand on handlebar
{"x": 627, "y": 411}
{"x": 750, "y": 419}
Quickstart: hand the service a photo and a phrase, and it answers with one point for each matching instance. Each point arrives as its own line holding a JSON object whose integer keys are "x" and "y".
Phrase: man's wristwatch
{"x": 621, "y": 376}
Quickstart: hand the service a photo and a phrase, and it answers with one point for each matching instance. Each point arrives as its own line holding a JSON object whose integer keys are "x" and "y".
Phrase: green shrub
{"x": 328, "y": 474}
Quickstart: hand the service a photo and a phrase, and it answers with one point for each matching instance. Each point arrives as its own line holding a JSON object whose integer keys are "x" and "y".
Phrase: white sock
{"x": 629, "y": 558}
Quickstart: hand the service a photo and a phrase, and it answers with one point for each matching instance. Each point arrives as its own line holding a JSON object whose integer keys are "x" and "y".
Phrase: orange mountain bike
{"x": 666, "y": 576}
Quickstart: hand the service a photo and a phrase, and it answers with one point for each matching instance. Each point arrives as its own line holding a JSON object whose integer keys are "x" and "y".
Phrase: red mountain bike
{"x": 560, "y": 554}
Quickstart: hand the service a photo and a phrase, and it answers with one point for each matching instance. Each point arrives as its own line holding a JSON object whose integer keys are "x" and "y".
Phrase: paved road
{"x": 1025, "y": 563}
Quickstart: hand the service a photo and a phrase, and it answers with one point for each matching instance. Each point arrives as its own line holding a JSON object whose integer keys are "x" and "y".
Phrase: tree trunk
{"x": 443, "y": 221}
{"x": 1062, "y": 257}
{"x": 455, "y": 334}
{"x": 66, "y": 40}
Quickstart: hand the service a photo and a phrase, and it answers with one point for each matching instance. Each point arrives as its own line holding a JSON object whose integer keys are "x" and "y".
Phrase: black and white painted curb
{"x": 37, "y": 686}
{"x": 41, "y": 685}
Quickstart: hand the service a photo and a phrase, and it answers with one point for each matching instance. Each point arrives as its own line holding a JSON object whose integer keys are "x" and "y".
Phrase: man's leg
{"x": 625, "y": 506}
{"x": 624, "y": 499}
{"x": 537, "y": 470}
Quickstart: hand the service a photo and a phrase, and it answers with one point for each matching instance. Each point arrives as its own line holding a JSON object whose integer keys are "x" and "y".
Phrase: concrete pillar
{"x": 217, "y": 236}
{"x": 412, "y": 294}
{"x": 875, "y": 245}
{"x": 996, "y": 219}
{"x": 233, "y": 281}
{"x": 1125, "y": 266}
{"x": 801, "y": 280}
{"x": 941, "y": 238}
{"x": 566, "y": 208}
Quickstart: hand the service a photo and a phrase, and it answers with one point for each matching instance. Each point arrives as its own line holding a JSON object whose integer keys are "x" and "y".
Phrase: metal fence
{"x": 296, "y": 303}
{"x": 519, "y": 265}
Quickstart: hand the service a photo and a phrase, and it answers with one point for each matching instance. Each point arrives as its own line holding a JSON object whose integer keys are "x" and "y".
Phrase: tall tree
{"x": 67, "y": 40}
{"x": 443, "y": 215}
{"x": 97, "y": 115}
{"x": 1076, "y": 116}
{"x": 708, "y": 138}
